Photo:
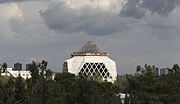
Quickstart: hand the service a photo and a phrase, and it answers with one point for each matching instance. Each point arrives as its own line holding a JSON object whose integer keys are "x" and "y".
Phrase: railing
{"x": 88, "y": 54}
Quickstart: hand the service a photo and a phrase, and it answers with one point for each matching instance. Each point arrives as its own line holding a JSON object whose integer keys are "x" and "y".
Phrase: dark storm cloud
{"x": 88, "y": 20}
{"x": 138, "y": 8}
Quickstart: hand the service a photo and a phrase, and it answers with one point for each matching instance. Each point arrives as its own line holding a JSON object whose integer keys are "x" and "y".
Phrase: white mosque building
{"x": 91, "y": 62}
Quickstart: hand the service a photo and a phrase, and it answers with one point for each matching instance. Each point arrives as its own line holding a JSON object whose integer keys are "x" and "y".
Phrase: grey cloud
{"x": 164, "y": 28}
{"x": 162, "y": 7}
{"x": 138, "y": 8}
{"x": 132, "y": 9}
{"x": 64, "y": 19}
{"x": 152, "y": 40}
{"x": 7, "y": 1}
{"x": 90, "y": 21}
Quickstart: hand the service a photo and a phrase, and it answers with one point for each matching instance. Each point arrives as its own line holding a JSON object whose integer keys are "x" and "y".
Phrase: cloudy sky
{"x": 133, "y": 32}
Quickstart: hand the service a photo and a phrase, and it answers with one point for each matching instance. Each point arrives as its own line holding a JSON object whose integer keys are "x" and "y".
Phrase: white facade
{"x": 90, "y": 62}
{"x": 23, "y": 74}
{"x": 90, "y": 65}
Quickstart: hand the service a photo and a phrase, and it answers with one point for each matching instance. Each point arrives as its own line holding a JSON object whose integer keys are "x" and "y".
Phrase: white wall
{"x": 23, "y": 74}
{"x": 76, "y": 63}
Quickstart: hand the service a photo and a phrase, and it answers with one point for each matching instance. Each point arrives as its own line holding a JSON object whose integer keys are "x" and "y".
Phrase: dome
{"x": 89, "y": 49}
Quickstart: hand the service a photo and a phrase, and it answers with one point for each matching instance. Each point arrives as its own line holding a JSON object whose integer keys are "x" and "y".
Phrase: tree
{"x": 138, "y": 69}
{"x": 38, "y": 83}
{"x": 33, "y": 84}
{"x": 176, "y": 68}
{"x": 34, "y": 72}
{"x": 20, "y": 94}
{"x": 3, "y": 68}
{"x": 126, "y": 99}
{"x": 1, "y": 92}
{"x": 48, "y": 74}
{"x": 65, "y": 88}
{"x": 43, "y": 67}
{"x": 8, "y": 92}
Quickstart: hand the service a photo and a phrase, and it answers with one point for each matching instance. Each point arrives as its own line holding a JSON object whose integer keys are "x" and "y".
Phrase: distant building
{"x": 164, "y": 71}
{"x": 156, "y": 71}
{"x": 89, "y": 61}
{"x": 23, "y": 73}
{"x": 28, "y": 67}
{"x": 17, "y": 66}
{"x": 15, "y": 73}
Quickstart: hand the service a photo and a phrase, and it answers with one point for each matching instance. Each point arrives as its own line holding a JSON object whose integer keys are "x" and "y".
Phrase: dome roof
{"x": 89, "y": 49}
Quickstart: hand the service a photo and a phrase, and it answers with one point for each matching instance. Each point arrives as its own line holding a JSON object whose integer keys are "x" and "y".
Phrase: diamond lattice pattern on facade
{"x": 95, "y": 69}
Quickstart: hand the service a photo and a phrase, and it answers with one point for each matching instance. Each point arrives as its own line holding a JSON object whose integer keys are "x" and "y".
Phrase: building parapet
{"x": 89, "y": 54}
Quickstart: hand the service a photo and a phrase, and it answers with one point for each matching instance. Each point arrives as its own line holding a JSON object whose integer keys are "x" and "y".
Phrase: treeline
{"x": 66, "y": 88}
{"x": 143, "y": 87}
{"x": 146, "y": 87}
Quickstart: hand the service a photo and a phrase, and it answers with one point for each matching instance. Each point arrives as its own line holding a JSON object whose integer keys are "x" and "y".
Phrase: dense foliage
{"x": 143, "y": 87}
{"x": 66, "y": 88}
